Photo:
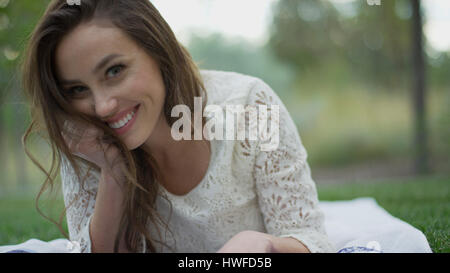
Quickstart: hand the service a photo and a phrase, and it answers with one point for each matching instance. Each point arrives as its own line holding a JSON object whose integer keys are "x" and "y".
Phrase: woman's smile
{"x": 124, "y": 121}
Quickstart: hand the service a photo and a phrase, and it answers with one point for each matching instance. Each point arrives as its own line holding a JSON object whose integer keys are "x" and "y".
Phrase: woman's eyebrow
{"x": 105, "y": 61}
{"x": 98, "y": 67}
{"x": 68, "y": 82}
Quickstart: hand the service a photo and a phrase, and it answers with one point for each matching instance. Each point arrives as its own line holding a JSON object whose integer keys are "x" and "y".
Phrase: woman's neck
{"x": 168, "y": 152}
{"x": 181, "y": 164}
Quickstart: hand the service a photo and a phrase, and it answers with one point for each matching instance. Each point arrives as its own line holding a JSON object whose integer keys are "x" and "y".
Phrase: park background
{"x": 367, "y": 86}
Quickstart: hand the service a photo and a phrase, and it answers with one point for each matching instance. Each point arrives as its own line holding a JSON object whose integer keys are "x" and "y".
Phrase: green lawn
{"x": 20, "y": 221}
{"x": 422, "y": 202}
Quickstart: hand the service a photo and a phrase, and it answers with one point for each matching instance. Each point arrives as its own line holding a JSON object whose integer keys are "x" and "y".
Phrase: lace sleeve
{"x": 287, "y": 194}
{"x": 79, "y": 201}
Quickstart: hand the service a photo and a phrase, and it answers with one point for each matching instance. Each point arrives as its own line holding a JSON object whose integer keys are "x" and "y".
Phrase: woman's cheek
{"x": 83, "y": 106}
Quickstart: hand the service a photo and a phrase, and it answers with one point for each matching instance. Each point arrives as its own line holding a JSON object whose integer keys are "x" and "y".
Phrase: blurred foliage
{"x": 372, "y": 44}
{"x": 219, "y": 53}
{"x": 17, "y": 20}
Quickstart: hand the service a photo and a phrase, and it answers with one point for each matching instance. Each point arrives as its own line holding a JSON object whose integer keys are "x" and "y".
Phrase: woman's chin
{"x": 132, "y": 146}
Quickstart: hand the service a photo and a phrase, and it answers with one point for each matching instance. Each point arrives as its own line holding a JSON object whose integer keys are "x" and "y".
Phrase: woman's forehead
{"x": 87, "y": 45}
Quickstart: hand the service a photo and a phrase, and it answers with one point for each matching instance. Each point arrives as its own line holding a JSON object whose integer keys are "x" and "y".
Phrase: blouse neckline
{"x": 212, "y": 160}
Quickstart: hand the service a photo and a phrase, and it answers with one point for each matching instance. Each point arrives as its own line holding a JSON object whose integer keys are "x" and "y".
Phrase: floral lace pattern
{"x": 244, "y": 188}
{"x": 80, "y": 201}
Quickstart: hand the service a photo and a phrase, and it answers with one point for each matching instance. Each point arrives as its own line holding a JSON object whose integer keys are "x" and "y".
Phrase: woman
{"x": 103, "y": 78}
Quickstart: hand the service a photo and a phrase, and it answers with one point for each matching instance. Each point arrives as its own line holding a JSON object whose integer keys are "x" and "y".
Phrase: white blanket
{"x": 358, "y": 225}
{"x": 362, "y": 223}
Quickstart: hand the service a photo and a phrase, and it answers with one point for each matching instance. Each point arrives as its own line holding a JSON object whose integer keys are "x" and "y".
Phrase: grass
{"x": 20, "y": 221}
{"x": 422, "y": 202}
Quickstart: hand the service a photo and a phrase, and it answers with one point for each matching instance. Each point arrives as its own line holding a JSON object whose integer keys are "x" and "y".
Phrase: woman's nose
{"x": 105, "y": 106}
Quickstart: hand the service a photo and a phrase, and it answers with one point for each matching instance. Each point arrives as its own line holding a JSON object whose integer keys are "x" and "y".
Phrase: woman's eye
{"x": 113, "y": 71}
{"x": 76, "y": 91}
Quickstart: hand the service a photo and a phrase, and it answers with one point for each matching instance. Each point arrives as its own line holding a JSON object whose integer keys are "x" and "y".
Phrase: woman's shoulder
{"x": 227, "y": 87}
{"x": 210, "y": 74}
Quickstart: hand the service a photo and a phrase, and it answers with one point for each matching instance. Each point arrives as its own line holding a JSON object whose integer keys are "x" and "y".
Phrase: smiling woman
{"x": 121, "y": 89}
{"x": 87, "y": 69}
{"x": 102, "y": 78}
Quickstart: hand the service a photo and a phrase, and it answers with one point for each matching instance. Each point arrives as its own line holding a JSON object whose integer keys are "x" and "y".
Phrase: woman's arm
{"x": 288, "y": 245}
{"x": 95, "y": 218}
{"x": 105, "y": 222}
{"x": 250, "y": 241}
{"x": 93, "y": 207}
{"x": 287, "y": 195}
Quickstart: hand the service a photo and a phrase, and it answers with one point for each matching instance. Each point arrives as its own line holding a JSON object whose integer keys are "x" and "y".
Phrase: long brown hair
{"x": 142, "y": 23}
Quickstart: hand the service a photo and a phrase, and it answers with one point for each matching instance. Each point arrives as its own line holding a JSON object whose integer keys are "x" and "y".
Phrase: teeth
{"x": 122, "y": 122}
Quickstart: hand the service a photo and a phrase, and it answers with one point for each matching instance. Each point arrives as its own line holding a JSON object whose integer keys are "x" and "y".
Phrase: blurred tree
{"x": 381, "y": 45}
{"x": 419, "y": 91}
{"x": 370, "y": 41}
{"x": 17, "y": 19}
{"x": 298, "y": 30}
{"x": 217, "y": 52}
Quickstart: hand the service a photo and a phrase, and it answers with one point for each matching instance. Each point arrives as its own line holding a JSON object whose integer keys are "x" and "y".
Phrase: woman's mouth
{"x": 122, "y": 125}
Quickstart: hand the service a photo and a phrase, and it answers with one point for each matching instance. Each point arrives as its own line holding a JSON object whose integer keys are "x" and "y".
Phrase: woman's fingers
{"x": 85, "y": 141}
{"x": 80, "y": 138}
{"x": 72, "y": 130}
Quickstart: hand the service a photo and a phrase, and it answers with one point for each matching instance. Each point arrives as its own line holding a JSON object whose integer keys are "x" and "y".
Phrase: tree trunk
{"x": 420, "y": 128}
{"x": 4, "y": 184}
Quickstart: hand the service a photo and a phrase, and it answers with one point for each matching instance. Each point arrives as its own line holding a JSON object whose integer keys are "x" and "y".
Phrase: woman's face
{"x": 107, "y": 75}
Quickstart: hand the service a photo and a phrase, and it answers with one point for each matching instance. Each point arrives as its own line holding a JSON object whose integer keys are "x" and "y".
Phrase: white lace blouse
{"x": 245, "y": 187}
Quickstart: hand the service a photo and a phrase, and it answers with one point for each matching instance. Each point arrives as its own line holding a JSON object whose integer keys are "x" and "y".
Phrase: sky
{"x": 250, "y": 18}
{"x": 438, "y": 26}
{"x": 244, "y": 18}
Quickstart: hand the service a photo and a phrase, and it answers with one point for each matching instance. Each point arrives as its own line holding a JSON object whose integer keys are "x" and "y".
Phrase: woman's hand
{"x": 86, "y": 142}
{"x": 249, "y": 242}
